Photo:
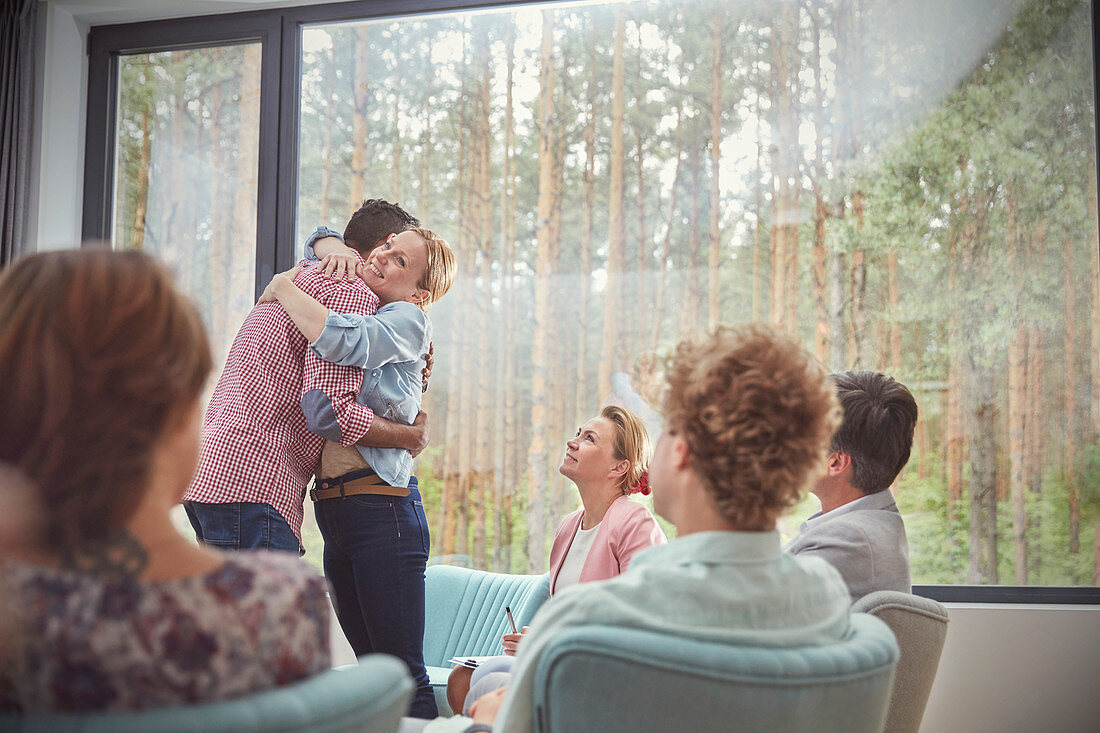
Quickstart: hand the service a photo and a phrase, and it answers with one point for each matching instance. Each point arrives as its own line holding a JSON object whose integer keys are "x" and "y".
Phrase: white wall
{"x": 1008, "y": 668}
{"x": 59, "y": 147}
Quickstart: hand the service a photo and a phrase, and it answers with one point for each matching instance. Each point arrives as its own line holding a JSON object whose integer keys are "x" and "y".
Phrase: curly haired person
{"x": 748, "y": 420}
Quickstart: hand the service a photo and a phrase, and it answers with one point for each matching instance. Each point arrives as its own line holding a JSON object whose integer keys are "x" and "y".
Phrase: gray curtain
{"x": 17, "y": 28}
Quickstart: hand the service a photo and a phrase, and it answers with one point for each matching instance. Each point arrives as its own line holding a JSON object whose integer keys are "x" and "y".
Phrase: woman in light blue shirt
{"x": 376, "y": 564}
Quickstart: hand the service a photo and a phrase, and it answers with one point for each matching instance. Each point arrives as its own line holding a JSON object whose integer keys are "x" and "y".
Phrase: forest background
{"x": 905, "y": 187}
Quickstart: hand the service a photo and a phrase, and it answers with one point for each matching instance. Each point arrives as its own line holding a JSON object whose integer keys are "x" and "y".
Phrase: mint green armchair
{"x": 464, "y": 612}
{"x": 619, "y": 680}
{"x": 369, "y": 697}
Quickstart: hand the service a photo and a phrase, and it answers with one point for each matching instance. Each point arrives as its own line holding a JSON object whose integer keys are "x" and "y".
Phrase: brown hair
{"x": 373, "y": 221}
{"x": 439, "y": 272}
{"x": 877, "y": 434}
{"x": 757, "y": 413}
{"x": 98, "y": 353}
{"x": 631, "y": 444}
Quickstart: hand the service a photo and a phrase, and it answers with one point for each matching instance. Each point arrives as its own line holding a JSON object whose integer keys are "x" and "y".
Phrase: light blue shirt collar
{"x": 713, "y": 548}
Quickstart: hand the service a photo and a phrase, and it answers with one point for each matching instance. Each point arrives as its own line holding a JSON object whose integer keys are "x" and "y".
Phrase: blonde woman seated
{"x": 106, "y": 605}
{"x": 607, "y": 460}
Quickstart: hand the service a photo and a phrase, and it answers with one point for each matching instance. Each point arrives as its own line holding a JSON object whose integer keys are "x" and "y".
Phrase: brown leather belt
{"x": 354, "y": 485}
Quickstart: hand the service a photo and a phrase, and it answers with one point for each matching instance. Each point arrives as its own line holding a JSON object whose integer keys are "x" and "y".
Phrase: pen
{"x": 511, "y": 620}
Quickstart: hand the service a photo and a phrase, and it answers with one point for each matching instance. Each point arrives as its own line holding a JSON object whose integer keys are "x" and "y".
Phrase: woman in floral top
{"x": 105, "y": 605}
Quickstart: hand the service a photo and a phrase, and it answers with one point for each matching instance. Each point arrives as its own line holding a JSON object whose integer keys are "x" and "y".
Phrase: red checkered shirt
{"x": 255, "y": 443}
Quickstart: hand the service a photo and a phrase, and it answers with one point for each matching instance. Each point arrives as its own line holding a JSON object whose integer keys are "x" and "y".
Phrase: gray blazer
{"x": 864, "y": 539}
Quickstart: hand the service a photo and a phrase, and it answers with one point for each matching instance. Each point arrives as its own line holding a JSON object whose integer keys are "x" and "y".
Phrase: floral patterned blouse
{"x": 83, "y": 644}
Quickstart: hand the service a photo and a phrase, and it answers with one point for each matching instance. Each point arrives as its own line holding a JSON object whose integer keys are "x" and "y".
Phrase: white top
{"x": 571, "y": 566}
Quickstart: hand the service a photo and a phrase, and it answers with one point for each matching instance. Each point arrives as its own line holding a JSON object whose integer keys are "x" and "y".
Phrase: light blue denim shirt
{"x": 725, "y": 587}
{"x": 390, "y": 346}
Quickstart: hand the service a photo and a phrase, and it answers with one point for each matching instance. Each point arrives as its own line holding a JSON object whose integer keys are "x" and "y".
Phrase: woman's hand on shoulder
{"x": 341, "y": 265}
{"x": 279, "y": 281}
{"x": 510, "y": 642}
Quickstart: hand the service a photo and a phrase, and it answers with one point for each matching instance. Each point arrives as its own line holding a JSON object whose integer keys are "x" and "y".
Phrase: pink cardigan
{"x": 626, "y": 528}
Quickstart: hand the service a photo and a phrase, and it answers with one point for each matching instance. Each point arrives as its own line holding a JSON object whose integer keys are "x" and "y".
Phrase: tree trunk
{"x": 246, "y": 188}
{"x": 666, "y": 246}
{"x": 1017, "y": 429}
{"x": 453, "y": 511}
{"x": 540, "y": 364}
{"x": 329, "y": 111}
{"x": 857, "y": 336}
{"x": 1069, "y": 431}
{"x": 848, "y": 274}
{"x": 983, "y": 473}
{"x": 1035, "y": 453}
{"x": 559, "y": 296}
{"x": 953, "y": 454}
{"x": 588, "y": 205}
{"x": 1094, "y": 365}
{"x": 398, "y": 141}
{"x": 895, "y": 314}
{"x": 616, "y": 232}
{"x": 1035, "y": 368}
{"x": 717, "y": 30}
{"x": 822, "y": 337}
{"x": 1094, "y": 292}
{"x": 219, "y": 264}
{"x": 507, "y": 475}
{"x": 1096, "y": 554}
{"x": 640, "y": 282}
{"x": 141, "y": 200}
{"x": 485, "y": 257}
{"x": 637, "y": 325}
{"x": 1017, "y": 404}
{"x": 361, "y": 98}
{"x": 424, "y": 198}
{"x": 757, "y": 275}
{"x": 787, "y": 177}
{"x": 689, "y": 320}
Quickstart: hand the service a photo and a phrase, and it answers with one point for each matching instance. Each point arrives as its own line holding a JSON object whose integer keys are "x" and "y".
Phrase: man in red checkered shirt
{"x": 258, "y": 454}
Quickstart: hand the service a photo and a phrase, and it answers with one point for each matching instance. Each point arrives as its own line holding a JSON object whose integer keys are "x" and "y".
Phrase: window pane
{"x": 907, "y": 187}
{"x": 185, "y": 181}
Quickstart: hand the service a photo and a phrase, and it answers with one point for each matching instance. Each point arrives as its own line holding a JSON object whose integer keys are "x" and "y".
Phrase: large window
{"x": 185, "y": 176}
{"x": 906, "y": 187}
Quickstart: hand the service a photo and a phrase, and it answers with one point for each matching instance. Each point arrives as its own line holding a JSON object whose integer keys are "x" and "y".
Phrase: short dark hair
{"x": 877, "y": 433}
{"x": 375, "y": 220}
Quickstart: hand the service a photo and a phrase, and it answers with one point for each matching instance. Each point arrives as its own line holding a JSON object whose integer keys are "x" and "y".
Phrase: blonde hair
{"x": 631, "y": 443}
{"x": 757, "y": 413}
{"x": 439, "y": 272}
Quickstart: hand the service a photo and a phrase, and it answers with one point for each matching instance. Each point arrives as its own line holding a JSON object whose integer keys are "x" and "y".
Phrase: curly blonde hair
{"x": 757, "y": 413}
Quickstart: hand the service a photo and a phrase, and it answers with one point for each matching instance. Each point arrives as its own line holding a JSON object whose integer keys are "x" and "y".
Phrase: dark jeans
{"x": 376, "y": 549}
{"x": 240, "y": 526}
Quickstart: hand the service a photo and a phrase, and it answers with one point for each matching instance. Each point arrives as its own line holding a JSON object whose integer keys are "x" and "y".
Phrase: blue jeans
{"x": 241, "y": 526}
{"x": 376, "y": 549}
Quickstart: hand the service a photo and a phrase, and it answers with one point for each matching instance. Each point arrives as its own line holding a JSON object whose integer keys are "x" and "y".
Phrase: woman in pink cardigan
{"x": 607, "y": 460}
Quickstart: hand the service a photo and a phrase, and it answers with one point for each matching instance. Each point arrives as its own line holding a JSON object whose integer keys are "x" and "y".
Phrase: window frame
{"x": 107, "y": 43}
{"x": 280, "y": 32}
